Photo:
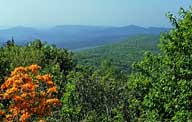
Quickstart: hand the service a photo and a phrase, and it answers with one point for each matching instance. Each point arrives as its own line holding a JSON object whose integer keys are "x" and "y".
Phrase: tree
{"x": 94, "y": 95}
{"x": 10, "y": 43}
{"x": 161, "y": 85}
{"x": 30, "y": 95}
{"x": 57, "y": 61}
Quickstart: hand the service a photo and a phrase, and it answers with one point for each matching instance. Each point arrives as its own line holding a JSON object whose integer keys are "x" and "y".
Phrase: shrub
{"x": 30, "y": 95}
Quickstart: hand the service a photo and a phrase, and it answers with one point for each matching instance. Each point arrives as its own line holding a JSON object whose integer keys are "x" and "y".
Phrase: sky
{"x": 48, "y": 13}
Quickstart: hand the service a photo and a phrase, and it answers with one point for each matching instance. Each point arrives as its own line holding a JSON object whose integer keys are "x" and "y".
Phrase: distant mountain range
{"x": 76, "y": 36}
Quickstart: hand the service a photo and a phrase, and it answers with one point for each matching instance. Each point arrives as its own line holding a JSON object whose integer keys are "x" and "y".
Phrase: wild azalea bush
{"x": 31, "y": 95}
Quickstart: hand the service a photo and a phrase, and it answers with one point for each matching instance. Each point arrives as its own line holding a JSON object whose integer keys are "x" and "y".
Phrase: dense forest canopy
{"x": 158, "y": 88}
{"x": 121, "y": 54}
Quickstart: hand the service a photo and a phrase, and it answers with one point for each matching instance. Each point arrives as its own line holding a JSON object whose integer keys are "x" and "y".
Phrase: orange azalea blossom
{"x": 25, "y": 116}
{"x": 28, "y": 86}
{"x": 18, "y": 98}
{"x": 14, "y": 111}
{"x": 18, "y": 82}
{"x": 39, "y": 77}
{"x": 51, "y": 90}
{"x": 7, "y": 84}
{"x": 54, "y": 101}
{"x": 50, "y": 83}
{"x": 34, "y": 68}
{"x": 26, "y": 96}
{"x": 10, "y": 92}
{"x": 18, "y": 70}
{"x": 44, "y": 78}
{"x": 47, "y": 77}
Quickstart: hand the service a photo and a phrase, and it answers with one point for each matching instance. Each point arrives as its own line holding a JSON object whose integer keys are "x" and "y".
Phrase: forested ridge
{"x": 40, "y": 82}
{"x": 121, "y": 54}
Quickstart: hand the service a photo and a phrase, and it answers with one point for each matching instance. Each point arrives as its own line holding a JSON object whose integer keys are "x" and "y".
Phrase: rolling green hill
{"x": 122, "y": 54}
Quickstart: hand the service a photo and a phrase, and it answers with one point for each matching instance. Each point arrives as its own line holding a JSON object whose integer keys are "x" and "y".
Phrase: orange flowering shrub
{"x": 31, "y": 94}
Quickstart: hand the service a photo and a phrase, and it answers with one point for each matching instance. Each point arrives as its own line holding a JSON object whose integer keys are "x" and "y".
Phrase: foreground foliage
{"x": 55, "y": 61}
{"x": 30, "y": 95}
{"x": 161, "y": 87}
{"x": 95, "y": 95}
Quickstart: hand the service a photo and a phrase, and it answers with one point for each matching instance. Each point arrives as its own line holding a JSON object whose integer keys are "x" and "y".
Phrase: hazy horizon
{"x": 50, "y": 27}
{"x": 48, "y": 13}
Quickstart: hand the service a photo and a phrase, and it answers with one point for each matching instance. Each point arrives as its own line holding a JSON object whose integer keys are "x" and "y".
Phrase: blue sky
{"x": 47, "y": 13}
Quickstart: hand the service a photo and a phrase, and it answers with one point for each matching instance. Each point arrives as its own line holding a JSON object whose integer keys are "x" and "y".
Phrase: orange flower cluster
{"x": 30, "y": 94}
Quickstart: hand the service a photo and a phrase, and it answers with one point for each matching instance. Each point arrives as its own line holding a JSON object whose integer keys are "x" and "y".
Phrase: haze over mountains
{"x": 76, "y": 36}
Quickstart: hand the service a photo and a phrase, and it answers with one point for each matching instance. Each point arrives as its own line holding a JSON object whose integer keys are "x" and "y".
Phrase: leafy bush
{"x": 161, "y": 87}
{"x": 53, "y": 60}
{"x": 94, "y": 95}
{"x": 30, "y": 95}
